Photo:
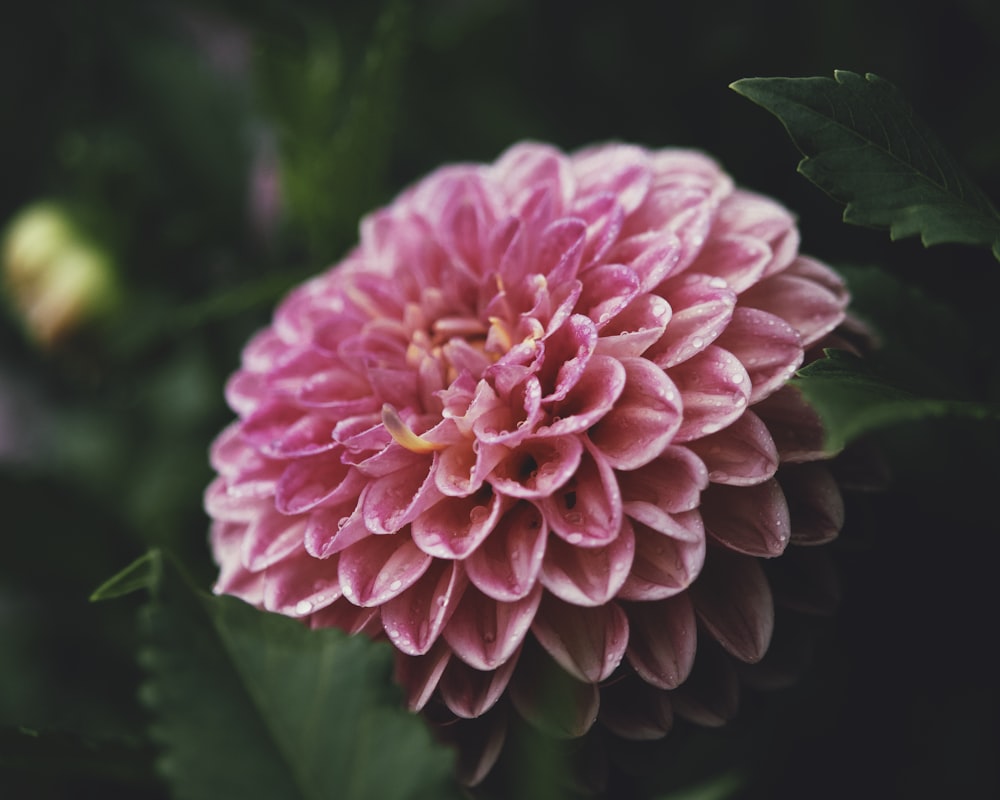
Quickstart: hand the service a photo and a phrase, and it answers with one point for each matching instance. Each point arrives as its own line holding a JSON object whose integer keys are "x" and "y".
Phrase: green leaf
{"x": 723, "y": 787}
{"x": 864, "y": 146}
{"x": 253, "y": 705}
{"x": 143, "y": 573}
{"x": 854, "y": 399}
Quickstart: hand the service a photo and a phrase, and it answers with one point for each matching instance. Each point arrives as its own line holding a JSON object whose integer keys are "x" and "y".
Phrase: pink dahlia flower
{"x": 539, "y": 417}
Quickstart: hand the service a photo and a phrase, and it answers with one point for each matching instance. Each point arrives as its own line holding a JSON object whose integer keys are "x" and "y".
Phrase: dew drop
{"x": 303, "y": 607}
{"x": 348, "y": 591}
{"x": 441, "y": 600}
{"x": 489, "y": 637}
{"x": 718, "y": 283}
{"x": 342, "y": 522}
{"x": 575, "y": 538}
{"x": 395, "y": 586}
{"x": 736, "y": 377}
{"x": 393, "y": 634}
{"x": 711, "y": 427}
{"x": 697, "y": 342}
{"x": 478, "y": 514}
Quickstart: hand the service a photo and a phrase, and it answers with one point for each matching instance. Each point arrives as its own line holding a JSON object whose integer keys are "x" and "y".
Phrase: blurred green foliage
{"x": 221, "y": 151}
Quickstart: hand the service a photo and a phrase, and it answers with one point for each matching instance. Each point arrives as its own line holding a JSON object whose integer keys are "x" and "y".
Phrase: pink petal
{"x": 651, "y": 255}
{"x": 419, "y": 675}
{"x": 741, "y": 455}
{"x": 567, "y": 351}
{"x": 379, "y": 568}
{"x": 594, "y": 394}
{"x": 733, "y": 601}
{"x": 269, "y": 538}
{"x": 589, "y": 643}
{"x": 606, "y": 291}
{"x": 640, "y": 324}
{"x": 413, "y": 619}
{"x": 738, "y": 259}
{"x": 748, "y": 519}
{"x": 220, "y": 503}
{"x": 714, "y": 389}
{"x": 588, "y": 576}
{"x": 333, "y": 529}
{"x": 400, "y": 497}
{"x": 668, "y": 484}
{"x": 300, "y": 584}
{"x": 809, "y": 307}
{"x": 309, "y": 482}
{"x": 456, "y": 526}
{"x": 621, "y": 169}
{"x": 604, "y": 216}
{"x": 662, "y": 640}
{"x": 750, "y": 214}
{"x": 506, "y": 566}
{"x": 643, "y": 421}
{"x": 538, "y": 467}
{"x": 702, "y": 308}
{"x": 665, "y": 565}
{"x": 586, "y": 511}
{"x": 462, "y": 468}
{"x": 348, "y": 617}
{"x": 470, "y": 693}
{"x": 280, "y": 430}
{"x": 769, "y": 348}
{"x": 511, "y": 422}
{"x": 485, "y": 633}
{"x": 814, "y": 503}
{"x": 525, "y": 167}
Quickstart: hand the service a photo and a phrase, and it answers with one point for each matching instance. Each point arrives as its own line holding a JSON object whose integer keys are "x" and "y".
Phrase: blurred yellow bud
{"x": 55, "y": 278}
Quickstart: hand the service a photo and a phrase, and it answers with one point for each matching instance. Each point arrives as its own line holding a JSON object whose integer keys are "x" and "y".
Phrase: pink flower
{"x": 539, "y": 417}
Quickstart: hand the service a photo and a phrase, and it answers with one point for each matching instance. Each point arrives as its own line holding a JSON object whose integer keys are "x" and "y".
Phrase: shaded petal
{"x": 710, "y": 697}
{"x": 462, "y": 468}
{"x": 348, "y": 617}
{"x": 662, "y": 640}
{"x": 733, "y": 601}
{"x": 419, "y": 675}
{"x": 665, "y": 565}
{"x": 714, "y": 389}
{"x": 269, "y": 538}
{"x": 588, "y": 576}
{"x": 793, "y": 424}
{"x": 567, "y": 350}
{"x": 549, "y": 698}
{"x": 379, "y": 568}
{"x": 742, "y": 454}
{"x": 309, "y": 482}
{"x": 702, "y": 308}
{"x": 760, "y": 217}
{"x": 805, "y": 580}
{"x": 470, "y": 693}
{"x": 413, "y": 619}
{"x": 478, "y": 742}
{"x": 538, "y": 467}
{"x": 748, "y": 519}
{"x": 456, "y": 526}
{"x": 815, "y": 504}
{"x": 485, "y": 633}
{"x": 635, "y": 710}
{"x": 643, "y": 421}
{"x": 593, "y": 395}
{"x": 506, "y": 566}
{"x": 589, "y": 643}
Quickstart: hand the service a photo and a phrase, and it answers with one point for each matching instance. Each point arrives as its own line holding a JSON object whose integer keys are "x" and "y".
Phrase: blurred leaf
{"x": 864, "y": 146}
{"x": 723, "y": 787}
{"x": 143, "y": 573}
{"x": 254, "y": 705}
{"x": 854, "y": 399}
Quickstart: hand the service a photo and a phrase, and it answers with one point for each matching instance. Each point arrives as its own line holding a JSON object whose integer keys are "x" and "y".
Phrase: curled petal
{"x": 379, "y": 568}
{"x": 662, "y": 639}
{"x": 793, "y": 424}
{"x": 478, "y": 741}
{"x": 594, "y": 394}
{"x": 733, "y": 600}
{"x": 636, "y": 328}
{"x": 413, "y": 619}
{"x": 567, "y": 351}
{"x": 395, "y": 499}
{"x": 470, "y": 693}
{"x": 456, "y": 526}
{"x": 538, "y": 467}
{"x": 588, "y": 576}
{"x": 665, "y": 565}
{"x": 651, "y": 255}
{"x": 607, "y": 290}
{"x": 419, "y": 675}
{"x": 332, "y": 529}
{"x": 714, "y": 389}
{"x": 269, "y": 538}
{"x": 506, "y": 566}
{"x": 485, "y": 633}
{"x": 741, "y": 455}
{"x": 307, "y": 483}
{"x": 738, "y": 259}
{"x": 748, "y": 519}
{"x": 769, "y": 348}
{"x": 586, "y": 511}
{"x": 279, "y": 430}
{"x": 589, "y": 643}
{"x": 643, "y": 421}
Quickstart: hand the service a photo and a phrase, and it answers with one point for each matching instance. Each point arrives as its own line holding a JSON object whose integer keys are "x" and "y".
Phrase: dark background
{"x": 146, "y": 120}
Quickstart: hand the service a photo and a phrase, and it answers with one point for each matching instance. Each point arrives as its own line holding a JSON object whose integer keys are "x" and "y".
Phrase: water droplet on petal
{"x": 697, "y": 342}
{"x": 575, "y": 538}
{"x": 718, "y": 283}
{"x": 395, "y": 586}
{"x": 303, "y": 607}
{"x": 441, "y": 600}
{"x": 478, "y": 514}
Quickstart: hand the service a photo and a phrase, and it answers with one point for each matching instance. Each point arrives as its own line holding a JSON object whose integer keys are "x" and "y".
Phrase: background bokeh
{"x": 216, "y": 153}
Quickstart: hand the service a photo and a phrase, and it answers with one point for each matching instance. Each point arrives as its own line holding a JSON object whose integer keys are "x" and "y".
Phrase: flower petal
{"x": 506, "y": 566}
{"x": 546, "y": 696}
{"x": 748, "y": 519}
{"x": 485, "y": 633}
{"x": 635, "y": 710}
{"x": 300, "y": 584}
{"x": 588, "y": 576}
{"x": 395, "y": 499}
{"x": 662, "y": 640}
{"x": 815, "y": 504}
{"x": 793, "y": 424}
{"x": 589, "y": 643}
{"x": 714, "y": 388}
{"x": 538, "y": 467}
{"x": 470, "y": 693}
{"x": 413, "y": 619}
{"x": 702, "y": 308}
{"x": 668, "y": 484}
{"x": 419, "y": 675}
{"x": 665, "y": 565}
{"x": 379, "y": 568}
{"x": 456, "y": 526}
{"x": 309, "y": 482}
{"x": 742, "y": 454}
{"x": 587, "y": 510}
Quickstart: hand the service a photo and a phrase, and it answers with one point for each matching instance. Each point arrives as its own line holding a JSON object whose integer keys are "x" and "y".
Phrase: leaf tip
{"x": 143, "y": 573}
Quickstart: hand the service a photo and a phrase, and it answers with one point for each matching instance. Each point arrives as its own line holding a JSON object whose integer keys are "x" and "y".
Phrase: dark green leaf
{"x": 143, "y": 573}
{"x": 253, "y": 705}
{"x": 853, "y": 399}
{"x": 864, "y": 146}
